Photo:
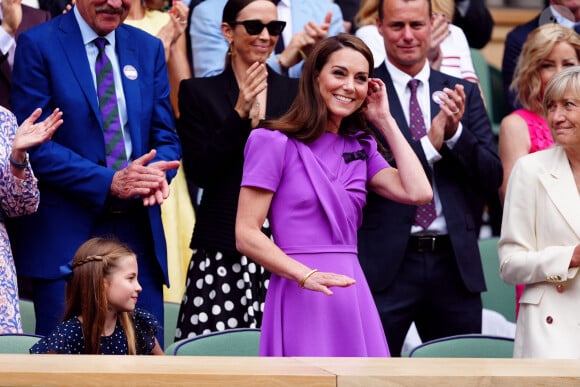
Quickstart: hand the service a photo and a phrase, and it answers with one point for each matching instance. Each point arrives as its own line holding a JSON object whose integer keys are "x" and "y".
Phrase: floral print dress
{"x": 17, "y": 197}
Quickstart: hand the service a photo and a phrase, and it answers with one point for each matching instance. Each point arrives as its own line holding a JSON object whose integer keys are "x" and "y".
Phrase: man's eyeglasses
{"x": 255, "y": 27}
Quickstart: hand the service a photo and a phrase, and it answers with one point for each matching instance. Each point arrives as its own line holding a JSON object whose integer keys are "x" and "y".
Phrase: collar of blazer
{"x": 558, "y": 181}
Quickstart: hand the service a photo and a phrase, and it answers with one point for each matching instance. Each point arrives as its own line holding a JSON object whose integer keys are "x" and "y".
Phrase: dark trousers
{"x": 429, "y": 291}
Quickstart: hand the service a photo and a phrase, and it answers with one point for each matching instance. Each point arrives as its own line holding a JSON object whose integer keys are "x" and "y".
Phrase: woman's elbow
{"x": 422, "y": 196}
{"x": 242, "y": 244}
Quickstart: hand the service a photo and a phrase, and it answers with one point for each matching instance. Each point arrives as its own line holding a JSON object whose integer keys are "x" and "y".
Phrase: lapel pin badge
{"x": 439, "y": 97}
{"x": 130, "y": 72}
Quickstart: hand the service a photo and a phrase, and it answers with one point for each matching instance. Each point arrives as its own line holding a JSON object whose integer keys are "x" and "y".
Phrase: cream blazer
{"x": 540, "y": 229}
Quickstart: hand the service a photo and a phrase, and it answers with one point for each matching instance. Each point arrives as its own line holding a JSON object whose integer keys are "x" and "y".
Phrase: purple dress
{"x": 319, "y": 192}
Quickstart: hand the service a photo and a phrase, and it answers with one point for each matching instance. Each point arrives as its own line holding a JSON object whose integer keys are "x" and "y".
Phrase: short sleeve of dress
{"x": 146, "y": 327}
{"x": 264, "y": 159}
{"x": 66, "y": 339}
{"x": 375, "y": 161}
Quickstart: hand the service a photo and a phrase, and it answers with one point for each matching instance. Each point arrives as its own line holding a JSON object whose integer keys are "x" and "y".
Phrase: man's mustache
{"x": 110, "y": 10}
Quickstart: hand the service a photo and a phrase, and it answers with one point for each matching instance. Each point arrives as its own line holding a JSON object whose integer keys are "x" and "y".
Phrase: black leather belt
{"x": 429, "y": 243}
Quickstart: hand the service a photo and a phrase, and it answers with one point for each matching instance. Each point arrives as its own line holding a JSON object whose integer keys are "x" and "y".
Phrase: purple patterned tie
{"x": 114, "y": 142}
{"x": 426, "y": 213}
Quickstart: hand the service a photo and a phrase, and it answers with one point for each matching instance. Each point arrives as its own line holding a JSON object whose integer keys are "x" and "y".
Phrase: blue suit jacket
{"x": 465, "y": 176}
{"x": 52, "y": 70}
{"x": 209, "y": 47}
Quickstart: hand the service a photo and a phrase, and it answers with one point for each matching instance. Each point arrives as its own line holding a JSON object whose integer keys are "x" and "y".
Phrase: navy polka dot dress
{"x": 67, "y": 338}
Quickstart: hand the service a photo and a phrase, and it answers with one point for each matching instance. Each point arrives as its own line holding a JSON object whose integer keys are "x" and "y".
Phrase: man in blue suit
{"x": 308, "y": 20}
{"x": 81, "y": 196}
{"x": 427, "y": 269}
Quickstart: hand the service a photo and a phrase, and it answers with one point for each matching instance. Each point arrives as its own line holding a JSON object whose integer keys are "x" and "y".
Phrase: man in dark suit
{"x": 564, "y": 12}
{"x": 15, "y": 18}
{"x": 423, "y": 264}
{"x": 85, "y": 193}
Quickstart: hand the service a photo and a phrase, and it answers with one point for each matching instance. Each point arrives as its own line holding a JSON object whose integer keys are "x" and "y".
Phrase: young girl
{"x": 100, "y": 316}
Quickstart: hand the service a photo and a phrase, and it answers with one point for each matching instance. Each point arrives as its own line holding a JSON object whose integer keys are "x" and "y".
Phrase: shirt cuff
{"x": 6, "y": 41}
{"x": 453, "y": 140}
{"x": 431, "y": 153}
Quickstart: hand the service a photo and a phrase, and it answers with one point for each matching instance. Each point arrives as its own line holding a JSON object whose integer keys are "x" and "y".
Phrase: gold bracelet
{"x": 302, "y": 54}
{"x": 305, "y": 278}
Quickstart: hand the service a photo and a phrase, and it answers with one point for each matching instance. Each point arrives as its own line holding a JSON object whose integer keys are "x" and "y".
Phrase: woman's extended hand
{"x": 322, "y": 281}
{"x": 31, "y": 134}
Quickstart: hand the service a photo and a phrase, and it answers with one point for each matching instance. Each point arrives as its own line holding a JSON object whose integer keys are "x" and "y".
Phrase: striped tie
{"x": 114, "y": 142}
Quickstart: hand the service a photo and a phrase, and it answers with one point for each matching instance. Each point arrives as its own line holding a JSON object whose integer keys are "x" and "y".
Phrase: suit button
{"x": 549, "y": 319}
{"x": 560, "y": 288}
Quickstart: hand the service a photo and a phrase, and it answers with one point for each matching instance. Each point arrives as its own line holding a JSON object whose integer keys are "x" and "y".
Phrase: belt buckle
{"x": 423, "y": 241}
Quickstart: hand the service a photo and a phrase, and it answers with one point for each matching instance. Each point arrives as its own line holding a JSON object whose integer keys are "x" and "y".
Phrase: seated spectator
{"x": 307, "y": 23}
{"x": 18, "y": 196}
{"x": 100, "y": 316}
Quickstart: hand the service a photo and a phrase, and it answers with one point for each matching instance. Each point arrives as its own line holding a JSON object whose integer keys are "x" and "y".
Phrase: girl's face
{"x": 248, "y": 48}
{"x": 562, "y": 55}
{"x": 122, "y": 286}
{"x": 343, "y": 84}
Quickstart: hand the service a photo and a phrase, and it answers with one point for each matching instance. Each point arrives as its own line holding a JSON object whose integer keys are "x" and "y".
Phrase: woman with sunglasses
{"x": 224, "y": 289}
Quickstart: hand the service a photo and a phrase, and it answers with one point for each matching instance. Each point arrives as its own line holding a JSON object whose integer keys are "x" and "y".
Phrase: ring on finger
{"x": 455, "y": 112}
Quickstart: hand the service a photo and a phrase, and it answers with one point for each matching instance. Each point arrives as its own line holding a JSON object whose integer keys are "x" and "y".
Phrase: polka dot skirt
{"x": 223, "y": 291}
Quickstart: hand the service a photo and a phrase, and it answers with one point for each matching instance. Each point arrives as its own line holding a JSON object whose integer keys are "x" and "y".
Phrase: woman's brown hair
{"x": 307, "y": 118}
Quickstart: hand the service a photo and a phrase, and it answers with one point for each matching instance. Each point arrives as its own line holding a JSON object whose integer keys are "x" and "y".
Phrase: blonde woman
{"x": 540, "y": 235}
{"x": 548, "y": 49}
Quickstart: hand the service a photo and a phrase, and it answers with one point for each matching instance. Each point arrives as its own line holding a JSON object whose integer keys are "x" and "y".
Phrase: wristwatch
{"x": 17, "y": 164}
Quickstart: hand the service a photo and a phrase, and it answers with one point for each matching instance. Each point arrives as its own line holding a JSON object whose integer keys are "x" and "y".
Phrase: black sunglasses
{"x": 255, "y": 27}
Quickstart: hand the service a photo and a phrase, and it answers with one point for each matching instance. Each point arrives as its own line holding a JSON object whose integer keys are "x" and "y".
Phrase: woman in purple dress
{"x": 310, "y": 176}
